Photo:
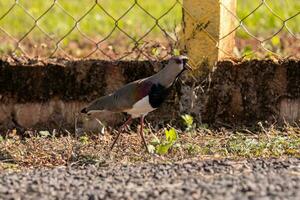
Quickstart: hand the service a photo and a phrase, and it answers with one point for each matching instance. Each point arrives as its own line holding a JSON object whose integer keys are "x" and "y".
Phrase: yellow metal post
{"x": 205, "y": 23}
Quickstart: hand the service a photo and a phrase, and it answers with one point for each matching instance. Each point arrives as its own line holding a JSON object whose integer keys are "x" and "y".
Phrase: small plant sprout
{"x": 155, "y": 51}
{"x": 162, "y": 147}
{"x": 84, "y": 139}
{"x": 44, "y": 134}
{"x": 189, "y": 122}
{"x": 192, "y": 149}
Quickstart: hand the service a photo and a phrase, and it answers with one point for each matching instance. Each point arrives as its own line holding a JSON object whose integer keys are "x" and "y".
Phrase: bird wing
{"x": 127, "y": 96}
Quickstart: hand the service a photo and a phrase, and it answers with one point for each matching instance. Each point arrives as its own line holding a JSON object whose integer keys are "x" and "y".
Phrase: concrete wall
{"x": 47, "y": 95}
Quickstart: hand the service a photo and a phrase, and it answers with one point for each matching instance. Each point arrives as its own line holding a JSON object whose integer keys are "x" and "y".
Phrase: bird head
{"x": 181, "y": 62}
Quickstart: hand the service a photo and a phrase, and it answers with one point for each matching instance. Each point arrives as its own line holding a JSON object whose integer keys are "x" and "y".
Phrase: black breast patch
{"x": 157, "y": 95}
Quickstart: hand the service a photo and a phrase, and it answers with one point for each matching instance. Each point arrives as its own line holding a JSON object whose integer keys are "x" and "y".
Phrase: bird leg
{"x": 119, "y": 131}
{"x": 142, "y": 134}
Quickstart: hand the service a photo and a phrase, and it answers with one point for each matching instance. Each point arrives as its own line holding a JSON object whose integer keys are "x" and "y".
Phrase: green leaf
{"x": 84, "y": 139}
{"x": 171, "y": 135}
{"x": 44, "y": 133}
{"x": 248, "y": 52}
{"x": 188, "y": 120}
{"x": 163, "y": 148}
{"x": 155, "y": 51}
{"x": 275, "y": 40}
{"x": 1, "y": 139}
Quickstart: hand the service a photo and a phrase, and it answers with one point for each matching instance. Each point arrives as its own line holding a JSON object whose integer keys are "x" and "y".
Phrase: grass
{"x": 46, "y": 150}
{"x": 57, "y": 23}
{"x": 263, "y": 22}
{"x": 98, "y": 25}
{"x": 97, "y": 22}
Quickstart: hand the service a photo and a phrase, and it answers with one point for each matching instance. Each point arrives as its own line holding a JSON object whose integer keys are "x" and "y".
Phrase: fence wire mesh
{"x": 137, "y": 29}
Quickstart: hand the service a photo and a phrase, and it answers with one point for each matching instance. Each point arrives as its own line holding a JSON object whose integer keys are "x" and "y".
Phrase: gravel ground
{"x": 211, "y": 179}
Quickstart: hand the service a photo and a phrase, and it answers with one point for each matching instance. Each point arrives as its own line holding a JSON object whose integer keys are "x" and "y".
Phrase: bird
{"x": 142, "y": 96}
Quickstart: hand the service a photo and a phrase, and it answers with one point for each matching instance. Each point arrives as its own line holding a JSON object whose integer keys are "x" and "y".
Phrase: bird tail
{"x": 96, "y": 106}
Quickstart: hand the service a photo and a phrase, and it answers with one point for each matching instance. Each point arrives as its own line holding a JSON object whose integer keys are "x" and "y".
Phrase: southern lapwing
{"x": 140, "y": 97}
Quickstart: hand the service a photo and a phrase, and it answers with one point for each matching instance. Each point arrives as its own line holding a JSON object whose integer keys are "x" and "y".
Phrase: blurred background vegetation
{"x": 99, "y": 22}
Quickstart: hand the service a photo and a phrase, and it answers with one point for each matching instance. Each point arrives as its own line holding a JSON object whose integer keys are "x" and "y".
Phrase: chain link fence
{"x": 137, "y": 29}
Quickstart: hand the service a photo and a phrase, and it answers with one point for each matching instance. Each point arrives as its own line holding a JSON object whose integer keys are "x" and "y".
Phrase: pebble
{"x": 209, "y": 179}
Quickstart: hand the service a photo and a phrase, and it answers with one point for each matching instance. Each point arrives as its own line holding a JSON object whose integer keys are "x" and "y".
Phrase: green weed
{"x": 38, "y": 151}
{"x": 162, "y": 147}
{"x": 84, "y": 139}
{"x": 188, "y": 122}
